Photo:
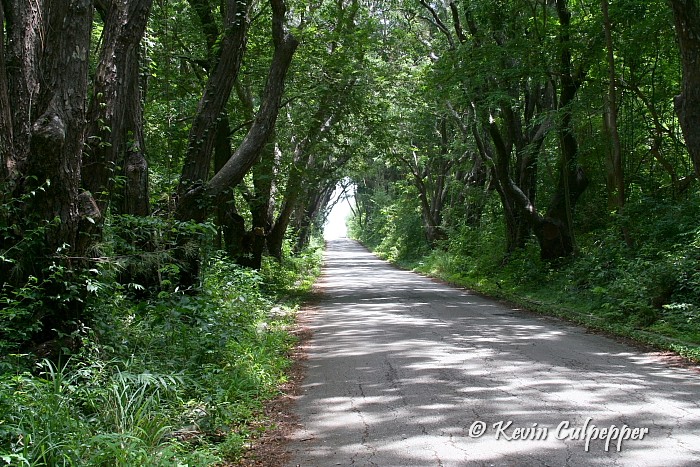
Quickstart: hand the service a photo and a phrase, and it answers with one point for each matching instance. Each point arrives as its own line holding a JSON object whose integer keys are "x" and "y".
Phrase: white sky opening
{"x": 336, "y": 223}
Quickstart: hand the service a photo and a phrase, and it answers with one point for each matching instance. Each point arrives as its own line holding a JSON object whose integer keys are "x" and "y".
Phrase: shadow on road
{"x": 402, "y": 370}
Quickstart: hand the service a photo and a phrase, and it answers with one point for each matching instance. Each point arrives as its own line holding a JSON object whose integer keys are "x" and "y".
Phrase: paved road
{"x": 404, "y": 371}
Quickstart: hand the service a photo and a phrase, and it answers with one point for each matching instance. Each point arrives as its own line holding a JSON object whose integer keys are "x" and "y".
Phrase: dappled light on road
{"x": 401, "y": 369}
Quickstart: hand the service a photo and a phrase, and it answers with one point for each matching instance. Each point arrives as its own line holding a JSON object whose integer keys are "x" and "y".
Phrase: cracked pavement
{"x": 402, "y": 370}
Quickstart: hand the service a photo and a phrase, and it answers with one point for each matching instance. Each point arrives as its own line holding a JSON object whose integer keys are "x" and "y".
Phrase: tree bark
{"x": 25, "y": 23}
{"x": 311, "y": 216}
{"x": 57, "y": 135}
{"x": 135, "y": 198}
{"x": 44, "y": 75}
{"x": 262, "y": 204}
{"x": 275, "y": 238}
{"x": 115, "y": 136}
{"x": 616, "y": 178}
{"x": 7, "y": 170}
{"x": 555, "y": 231}
{"x": 687, "y": 19}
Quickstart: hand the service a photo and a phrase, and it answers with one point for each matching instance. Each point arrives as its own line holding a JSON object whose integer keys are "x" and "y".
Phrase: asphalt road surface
{"x": 405, "y": 371}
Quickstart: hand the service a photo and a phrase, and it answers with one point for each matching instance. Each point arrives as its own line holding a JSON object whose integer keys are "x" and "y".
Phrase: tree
{"x": 211, "y": 108}
{"x": 340, "y": 45}
{"x": 196, "y": 194}
{"x": 515, "y": 109}
{"x": 45, "y": 76}
{"x": 687, "y": 18}
{"x": 115, "y": 122}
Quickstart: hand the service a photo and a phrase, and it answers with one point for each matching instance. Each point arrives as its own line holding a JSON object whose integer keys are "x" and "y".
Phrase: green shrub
{"x": 169, "y": 379}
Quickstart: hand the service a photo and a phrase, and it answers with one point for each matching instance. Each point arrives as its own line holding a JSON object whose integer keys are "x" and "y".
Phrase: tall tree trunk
{"x": 311, "y": 215}
{"x": 196, "y": 199}
{"x": 57, "y": 134}
{"x": 275, "y": 238}
{"x": 134, "y": 199}
{"x": 224, "y": 206}
{"x": 25, "y": 23}
{"x": 196, "y": 203}
{"x": 262, "y": 204}
{"x": 616, "y": 179}
{"x": 555, "y": 230}
{"x": 6, "y": 139}
{"x": 518, "y": 209}
{"x": 44, "y": 75}
{"x": 202, "y": 137}
{"x": 116, "y": 93}
{"x": 687, "y": 18}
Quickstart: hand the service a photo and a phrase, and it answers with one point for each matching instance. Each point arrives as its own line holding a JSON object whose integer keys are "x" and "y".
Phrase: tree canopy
{"x": 239, "y": 118}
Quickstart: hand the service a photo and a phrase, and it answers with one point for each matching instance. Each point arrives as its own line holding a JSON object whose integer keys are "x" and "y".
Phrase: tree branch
{"x": 439, "y": 23}
{"x": 457, "y": 23}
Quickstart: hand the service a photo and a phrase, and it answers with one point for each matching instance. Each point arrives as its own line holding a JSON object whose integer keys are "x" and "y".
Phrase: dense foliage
{"x": 169, "y": 380}
{"x": 159, "y": 223}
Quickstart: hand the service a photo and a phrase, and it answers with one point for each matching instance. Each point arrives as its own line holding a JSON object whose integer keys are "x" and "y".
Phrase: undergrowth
{"x": 174, "y": 379}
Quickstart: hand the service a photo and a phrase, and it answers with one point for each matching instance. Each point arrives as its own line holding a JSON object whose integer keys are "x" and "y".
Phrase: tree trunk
{"x": 518, "y": 209}
{"x": 275, "y": 238}
{"x": 195, "y": 204}
{"x": 7, "y": 170}
{"x": 687, "y": 18}
{"x": 222, "y": 153}
{"x": 195, "y": 201}
{"x": 555, "y": 231}
{"x": 116, "y": 92}
{"x": 616, "y": 179}
{"x": 262, "y": 204}
{"x": 311, "y": 216}
{"x": 25, "y": 23}
{"x": 202, "y": 137}
{"x": 57, "y": 135}
{"x": 302, "y": 162}
{"x": 135, "y": 198}
{"x": 44, "y": 75}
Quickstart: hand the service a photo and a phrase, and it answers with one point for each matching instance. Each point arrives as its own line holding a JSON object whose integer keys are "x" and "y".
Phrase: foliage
{"x": 394, "y": 230}
{"x": 111, "y": 355}
{"x": 174, "y": 379}
{"x": 479, "y": 106}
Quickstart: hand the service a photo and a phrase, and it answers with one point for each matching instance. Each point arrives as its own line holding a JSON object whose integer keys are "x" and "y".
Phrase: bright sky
{"x": 335, "y": 226}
